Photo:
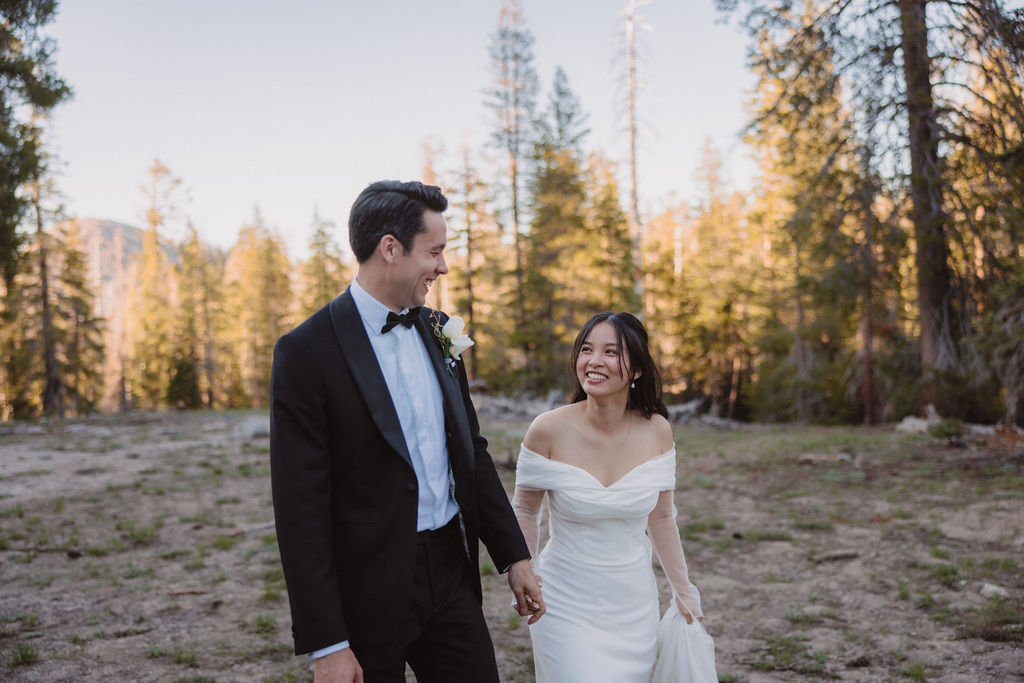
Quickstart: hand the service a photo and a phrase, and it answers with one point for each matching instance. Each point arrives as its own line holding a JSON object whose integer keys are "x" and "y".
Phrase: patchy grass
{"x": 24, "y": 654}
{"x": 265, "y": 624}
{"x": 790, "y": 653}
{"x": 1000, "y": 620}
{"x": 166, "y": 549}
{"x": 225, "y": 542}
{"x": 915, "y": 671}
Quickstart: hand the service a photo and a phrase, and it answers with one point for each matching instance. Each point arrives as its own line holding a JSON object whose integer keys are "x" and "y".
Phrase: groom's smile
{"x": 415, "y": 272}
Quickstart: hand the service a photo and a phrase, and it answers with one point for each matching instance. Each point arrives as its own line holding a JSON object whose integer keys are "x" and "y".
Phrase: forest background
{"x": 875, "y": 266}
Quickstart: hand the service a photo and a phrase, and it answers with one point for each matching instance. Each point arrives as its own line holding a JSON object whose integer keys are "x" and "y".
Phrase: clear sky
{"x": 295, "y": 106}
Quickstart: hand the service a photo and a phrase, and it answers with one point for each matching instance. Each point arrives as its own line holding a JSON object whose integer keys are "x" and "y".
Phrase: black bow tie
{"x": 395, "y": 319}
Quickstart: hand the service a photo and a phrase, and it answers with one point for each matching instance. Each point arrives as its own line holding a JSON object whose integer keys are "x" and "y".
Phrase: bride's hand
{"x": 688, "y": 607}
{"x": 526, "y": 586}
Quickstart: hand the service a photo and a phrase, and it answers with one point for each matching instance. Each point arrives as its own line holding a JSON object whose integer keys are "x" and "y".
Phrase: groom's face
{"x": 416, "y": 271}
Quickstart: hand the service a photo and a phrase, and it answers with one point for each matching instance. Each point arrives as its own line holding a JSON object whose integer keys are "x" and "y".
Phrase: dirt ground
{"x": 141, "y": 548}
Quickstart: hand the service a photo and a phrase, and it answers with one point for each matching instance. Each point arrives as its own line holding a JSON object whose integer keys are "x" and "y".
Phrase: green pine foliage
{"x": 513, "y": 97}
{"x": 478, "y": 263}
{"x": 76, "y": 334}
{"x": 612, "y": 248}
{"x": 154, "y": 345}
{"x": 258, "y": 297}
{"x": 81, "y": 329}
{"x": 29, "y": 86}
{"x": 193, "y": 380}
{"x": 559, "y": 275}
{"x": 324, "y": 274}
{"x": 805, "y": 299}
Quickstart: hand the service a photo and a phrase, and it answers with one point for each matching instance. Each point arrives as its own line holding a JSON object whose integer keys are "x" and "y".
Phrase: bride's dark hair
{"x": 632, "y": 338}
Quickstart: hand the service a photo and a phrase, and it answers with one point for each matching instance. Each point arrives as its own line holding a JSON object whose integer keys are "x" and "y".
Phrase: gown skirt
{"x": 602, "y": 614}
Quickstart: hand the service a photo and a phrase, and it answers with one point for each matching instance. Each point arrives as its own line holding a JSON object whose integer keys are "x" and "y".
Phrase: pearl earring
{"x": 632, "y": 385}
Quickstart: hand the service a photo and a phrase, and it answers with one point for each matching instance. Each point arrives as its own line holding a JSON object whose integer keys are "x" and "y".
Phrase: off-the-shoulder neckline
{"x": 671, "y": 452}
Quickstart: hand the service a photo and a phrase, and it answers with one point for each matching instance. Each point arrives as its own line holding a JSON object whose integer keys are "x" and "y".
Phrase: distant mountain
{"x": 112, "y": 250}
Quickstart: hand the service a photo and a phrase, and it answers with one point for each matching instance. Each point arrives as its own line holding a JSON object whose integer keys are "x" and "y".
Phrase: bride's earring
{"x": 632, "y": 385}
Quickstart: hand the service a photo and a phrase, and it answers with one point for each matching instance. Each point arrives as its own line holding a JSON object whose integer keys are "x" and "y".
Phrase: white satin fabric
{"x": 602, "y": 599}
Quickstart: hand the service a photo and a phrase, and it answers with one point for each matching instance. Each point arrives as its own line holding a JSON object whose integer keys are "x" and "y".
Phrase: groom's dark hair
{"x": 391, "y": 207}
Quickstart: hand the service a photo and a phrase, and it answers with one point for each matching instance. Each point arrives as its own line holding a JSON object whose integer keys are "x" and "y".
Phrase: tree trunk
{"x": 53, "y": 386}
{"x": 635, "y": 229}
{"x": 734, "y": 385}
{"x": 470, "y": 252}
{"x": 939, "y": 335}
{"x": 209, "y": 364}
{"x": 513, "y": 172}
{"x": 868, "y": 383}
{"x": 803, "y": 373}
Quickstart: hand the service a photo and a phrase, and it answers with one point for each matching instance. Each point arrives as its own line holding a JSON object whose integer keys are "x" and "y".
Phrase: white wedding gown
{"x": 601, "y": 624}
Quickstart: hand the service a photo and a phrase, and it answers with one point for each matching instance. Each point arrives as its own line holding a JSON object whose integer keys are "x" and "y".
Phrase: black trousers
{"x": 445, "y": 637}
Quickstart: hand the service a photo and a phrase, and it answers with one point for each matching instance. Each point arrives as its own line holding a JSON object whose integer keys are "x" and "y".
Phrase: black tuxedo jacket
{"x": 345, "y": 493}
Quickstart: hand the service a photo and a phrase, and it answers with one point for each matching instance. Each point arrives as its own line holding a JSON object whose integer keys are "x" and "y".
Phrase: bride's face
{"x": 603, "y": 366}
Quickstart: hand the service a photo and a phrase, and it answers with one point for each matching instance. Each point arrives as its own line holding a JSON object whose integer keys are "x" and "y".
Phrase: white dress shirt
{"x": 416, "y": 395}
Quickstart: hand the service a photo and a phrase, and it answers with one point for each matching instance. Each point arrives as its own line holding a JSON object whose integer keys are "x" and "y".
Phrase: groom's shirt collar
{"x": 373, "y": 312}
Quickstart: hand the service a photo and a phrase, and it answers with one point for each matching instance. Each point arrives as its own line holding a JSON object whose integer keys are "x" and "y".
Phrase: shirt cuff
{"x": 323, "y": 652}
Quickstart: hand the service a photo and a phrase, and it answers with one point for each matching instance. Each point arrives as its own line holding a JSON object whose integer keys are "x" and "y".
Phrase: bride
{"x": 607, "y": 464}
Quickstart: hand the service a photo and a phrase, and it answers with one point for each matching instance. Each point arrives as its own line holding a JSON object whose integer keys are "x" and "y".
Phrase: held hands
{"x": 338, "y": 667}
{"x": 526, "y": 586}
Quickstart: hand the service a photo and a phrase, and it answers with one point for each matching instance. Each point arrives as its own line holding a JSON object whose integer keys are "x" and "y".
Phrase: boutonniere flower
{"x": 452, "y": 337}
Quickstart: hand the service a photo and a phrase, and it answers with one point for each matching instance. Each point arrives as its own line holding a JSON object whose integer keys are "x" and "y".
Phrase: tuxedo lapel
{"x": 454, "y": 409}
{"x": 362, "y": 362}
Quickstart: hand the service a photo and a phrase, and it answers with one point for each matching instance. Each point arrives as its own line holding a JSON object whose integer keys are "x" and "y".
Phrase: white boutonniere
{"x": 452, "y": 338}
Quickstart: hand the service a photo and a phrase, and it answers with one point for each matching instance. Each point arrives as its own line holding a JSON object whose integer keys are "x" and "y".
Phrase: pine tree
{"x": 613, "y": 249}
{"x": 907, "y": 68}
{"x": 721, "y": 355}
{"x": 258, "y": 309}
{"x": 152, "y": 323}
{"x": 636, "y": 228}
{"x": 513, "y": 99}
{"x": 29, "y": 86}
{"x": 41, "y": 190}
{"x": 324, "y": 274}
{"x": 475, "y": 268}
{"x": 83, "y": 352}
{"x": 19, "y": 339}
{"x": 558, "y": 284}
{"x": 801, "y": 150}
{"x": 73, "y": 342}
{"x": 438, "y": 297}
{"x": 669, "y": 251}
{"x": 987, "y": 198}
{"x": 193, "y": 369}
{"x": 834, "y": 247}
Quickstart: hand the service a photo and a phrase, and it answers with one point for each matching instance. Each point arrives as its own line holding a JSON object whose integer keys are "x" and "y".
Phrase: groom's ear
{"x": 389, "y": 248}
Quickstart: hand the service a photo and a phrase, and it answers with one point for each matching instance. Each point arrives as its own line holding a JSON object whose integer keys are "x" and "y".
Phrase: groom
{"x": 382, "y": 484}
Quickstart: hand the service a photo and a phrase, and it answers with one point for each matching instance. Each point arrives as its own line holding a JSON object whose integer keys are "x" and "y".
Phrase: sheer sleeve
{"x": 526, "y": 504}
{"x": 661, "y": 527}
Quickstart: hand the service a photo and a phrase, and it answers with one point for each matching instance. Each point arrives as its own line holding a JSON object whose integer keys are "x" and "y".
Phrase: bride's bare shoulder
{"x": 659, "y": 431}
{"x": 545, "y": 428}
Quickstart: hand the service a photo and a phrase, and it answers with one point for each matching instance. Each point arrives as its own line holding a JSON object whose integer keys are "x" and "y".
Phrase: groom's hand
{"x": 338, "y": 667}
{"x": 526, "y": 587}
